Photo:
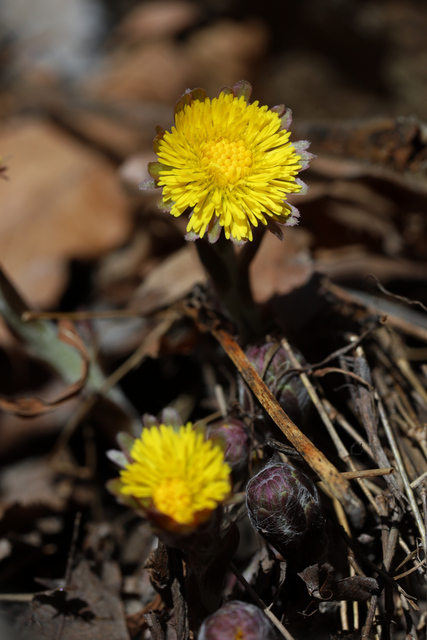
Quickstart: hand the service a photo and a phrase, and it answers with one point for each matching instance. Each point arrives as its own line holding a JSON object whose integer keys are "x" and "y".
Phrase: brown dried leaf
{"x": 62, "y": 201}
{"x": 89, "y": 608}
{"x": 169, "y": 281}
{"x": 157, "y": 20}
{"x": 224, "y": 51}
{"x": 133, "y": 75}
{"x": 393, "y": 143}
{"x": 281, "y": 266}
{"x": 157, "y": 565}
{"x": 156, "y": 630}
{"x": 33, "y": 482}
{"x": 322, "y": 584}
{"x": 355, "y": 261}
{"x": 180, "y": 612}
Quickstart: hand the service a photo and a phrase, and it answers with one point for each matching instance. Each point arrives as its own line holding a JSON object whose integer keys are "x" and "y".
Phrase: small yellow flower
{"x": 229, "y": 163}
{"x": 176, "y": 476}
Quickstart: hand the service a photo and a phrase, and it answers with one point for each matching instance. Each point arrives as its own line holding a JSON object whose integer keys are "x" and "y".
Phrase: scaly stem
{"x": 230, "y": 277}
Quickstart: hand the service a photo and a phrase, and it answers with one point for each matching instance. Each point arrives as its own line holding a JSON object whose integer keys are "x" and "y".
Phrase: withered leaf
{"x": 156, "y": 630}
{"x": 63, "y": 201}
{"x": 70, "y": 613}
{"x": 180, "y": 612}
{"x": 157, "y": 566}
{"x": 322, "y": 584}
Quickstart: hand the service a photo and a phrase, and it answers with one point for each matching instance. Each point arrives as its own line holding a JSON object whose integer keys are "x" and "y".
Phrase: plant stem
{"x": 230, "y": 277}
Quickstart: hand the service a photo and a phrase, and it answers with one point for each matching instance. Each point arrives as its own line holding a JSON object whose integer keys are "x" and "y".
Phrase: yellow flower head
{"x": 176, "y": 477}
{"x": 228, "y": 163}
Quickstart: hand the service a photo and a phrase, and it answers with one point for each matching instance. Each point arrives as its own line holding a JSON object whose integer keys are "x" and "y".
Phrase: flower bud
{"x": 284, "y": 506}
{"x": 235, "y": 441}
{"x": 237, "y": 620}
{"x": 272, "y": 364}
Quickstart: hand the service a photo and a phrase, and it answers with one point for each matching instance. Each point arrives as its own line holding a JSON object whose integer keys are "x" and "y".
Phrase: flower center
{"x": 173, "y": 497}
{"x": 227, "y": 161}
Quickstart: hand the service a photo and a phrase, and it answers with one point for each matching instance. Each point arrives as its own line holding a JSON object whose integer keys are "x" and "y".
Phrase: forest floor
{"x": 108, "y": 313}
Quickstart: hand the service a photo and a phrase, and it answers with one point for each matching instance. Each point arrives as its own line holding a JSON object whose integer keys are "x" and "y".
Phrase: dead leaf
{"x": 355, "y": 261}
{"x": 33, "y": 482}
{"x": 62, "y": 201}
{"x": 169, "y": 281}
{"x": 157, "y": 20}
{"x": 71, "y": 611}
{"x": 223, "y": 51}
{"x": 133, "y": 75}
{"x": 157, "y": 566}
{"x": 322, "y": 584}
{"x": 281, "y": 266}
{"x": 153, "y": 623}
{"x": 180, "y": 612}
{"x": 393, "y": 143}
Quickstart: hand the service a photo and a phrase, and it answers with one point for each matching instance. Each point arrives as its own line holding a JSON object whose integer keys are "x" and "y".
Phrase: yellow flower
{"x": 229, "y": 163}
{"x": 176, "y": 476}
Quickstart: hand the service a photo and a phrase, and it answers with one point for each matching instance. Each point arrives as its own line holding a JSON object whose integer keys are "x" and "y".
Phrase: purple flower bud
{"x": 235, "y": 441}
{"x": 284, "y": 506}
{"x": 272, "y": 363}
{"x": 237, "y": 620}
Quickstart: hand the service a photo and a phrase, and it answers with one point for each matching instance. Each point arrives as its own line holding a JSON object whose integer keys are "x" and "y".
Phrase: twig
{"x": 29, "y": 316}
{"x": 368, "y": 473}
{"x": 410, "y": 627}
{"x": 323, "y": 372}
{"x": 402, "y": 470}
{"x": 397, "y": 316}
{"x": 336, "y": 415}
{"x": 343, "y": 608}
{"x": 411, "y": 570}
{"x": 312, "y": 367}
{"x": 16, "y": 597}
{"x": 424, "y": 503}
{"x": 395, "y": 296}
{"x": 70, "y": 560}
{"x": 341, "y": 450}
{"x": 385, "y": 538}
{"x": 285, "y": 633}
{"x": 356, "y": 548}
{"x": 220, "y": 399}
{"x": 397, "y": 351}
{"x": 409, "y": 557}
{"x": 366, "y": 631}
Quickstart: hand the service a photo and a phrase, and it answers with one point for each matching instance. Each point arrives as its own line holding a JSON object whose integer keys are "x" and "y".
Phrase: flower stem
{"x": 230, "y": 276}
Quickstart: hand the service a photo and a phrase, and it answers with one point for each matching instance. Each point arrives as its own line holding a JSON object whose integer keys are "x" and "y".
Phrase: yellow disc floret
{"x": 226, "y": 161}
{"x": 177, "y": 473}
